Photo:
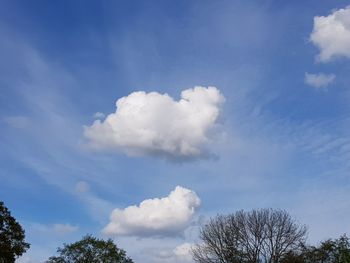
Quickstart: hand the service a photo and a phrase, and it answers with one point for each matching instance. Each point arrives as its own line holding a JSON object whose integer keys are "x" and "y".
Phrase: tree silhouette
{"x": 92, "y": 250}
{"x": 12, "y": 244}
{"x": 263, "y": 235}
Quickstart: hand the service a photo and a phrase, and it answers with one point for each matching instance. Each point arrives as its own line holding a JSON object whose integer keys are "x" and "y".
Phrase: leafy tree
{"x": 91, "y": 250}
{"x": 263, "y": 235}
{"x": 12, "y": 244}
{"x": 329, "y": 251}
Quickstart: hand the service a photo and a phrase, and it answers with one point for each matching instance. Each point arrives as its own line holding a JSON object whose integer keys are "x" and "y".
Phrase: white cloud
{"x": 319, "y": 80}
{"x": 183, "y": 252}
{"x": 180, "y": 254}
{"x": 156, "y": 124}
{"x": 331, "y": 34}
{"x": 155, "y": 217}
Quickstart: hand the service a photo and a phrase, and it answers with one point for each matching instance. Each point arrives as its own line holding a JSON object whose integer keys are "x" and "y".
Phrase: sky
{"x": 140, "y": 120}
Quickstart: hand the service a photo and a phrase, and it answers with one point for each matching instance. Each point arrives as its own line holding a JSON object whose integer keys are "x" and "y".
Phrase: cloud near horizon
{"x": 180, "y": 254}
{"x": 167, "y": 216}
{"x": 331, "y": 34}
{"x": 183, "y": 253}
{"x": 155, "y": 124}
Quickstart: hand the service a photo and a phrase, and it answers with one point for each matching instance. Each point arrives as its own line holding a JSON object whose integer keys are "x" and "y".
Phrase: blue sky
{"x": 278, "y": 137}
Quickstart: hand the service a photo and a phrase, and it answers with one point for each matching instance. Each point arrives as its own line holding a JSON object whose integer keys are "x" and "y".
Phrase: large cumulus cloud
{"x": 155, "y": 217}
{"x": 156, "y": 124}
{"x": 331, "y": 34}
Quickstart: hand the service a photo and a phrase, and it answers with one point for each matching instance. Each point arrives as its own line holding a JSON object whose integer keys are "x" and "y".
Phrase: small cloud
{"x": 183, "y": 252}
{"x": 98, "y": 115}
{"x": 16, "y": 121}
{"x": 64, "y": 228}
{"x": 58, "y": 229}
{"x": 165, "y": 216}
{"x": 331, "y": 34}
{"x": 82, "y": 187}
{"x": 180, "y": 254}
{"x": 154, "y": 124}
{"x": 319, "y": 80}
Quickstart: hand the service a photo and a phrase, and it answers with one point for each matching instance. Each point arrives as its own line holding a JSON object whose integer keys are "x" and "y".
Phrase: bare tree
{"x": 263, "y": 235}
{"x": 219, "y": 242}
{"x": 283, "y": 235}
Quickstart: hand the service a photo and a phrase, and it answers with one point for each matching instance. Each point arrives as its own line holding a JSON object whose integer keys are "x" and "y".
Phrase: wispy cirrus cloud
{"x": 57, "y": 229}
{"x": 19, "y": 122}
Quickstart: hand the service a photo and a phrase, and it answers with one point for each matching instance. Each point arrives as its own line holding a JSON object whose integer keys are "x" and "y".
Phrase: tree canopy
{"x": 92, "y": 250}
{"x": 329, "y": 251}
{"x": 12, "y": 243}
{"x": 263, "y": 235}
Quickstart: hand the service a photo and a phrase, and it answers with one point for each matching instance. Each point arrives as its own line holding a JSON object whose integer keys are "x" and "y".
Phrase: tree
{"x": 92, "y": 250}
{"x": 264, "y": 235}
{"x": 12, "y": 244}
{"x": 329, "y": 251}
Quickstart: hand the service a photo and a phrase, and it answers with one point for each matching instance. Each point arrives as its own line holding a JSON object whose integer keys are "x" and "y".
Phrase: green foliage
{"x": 329, "y": 251}
{"x": 12, "y": 244}
{"x": 92, "y": 250}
